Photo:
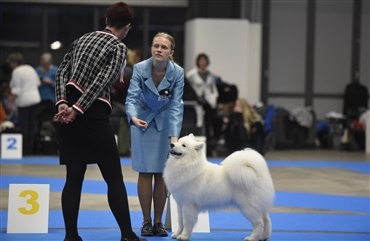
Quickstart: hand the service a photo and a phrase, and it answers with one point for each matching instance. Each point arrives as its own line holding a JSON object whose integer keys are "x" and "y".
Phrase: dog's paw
{"x": 174, "y": 235}
{"x": 248, "y": 238}
{"x": 183, "y": 237}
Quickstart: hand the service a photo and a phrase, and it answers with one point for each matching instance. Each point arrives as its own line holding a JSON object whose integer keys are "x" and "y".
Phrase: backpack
{"x": 236, "y": 135}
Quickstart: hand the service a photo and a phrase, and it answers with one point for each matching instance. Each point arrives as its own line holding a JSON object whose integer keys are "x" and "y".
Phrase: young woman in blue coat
{"x": 155, "y": 111}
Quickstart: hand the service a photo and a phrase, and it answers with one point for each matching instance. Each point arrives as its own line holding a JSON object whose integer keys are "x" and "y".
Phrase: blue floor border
{"x": 357, "y": 166}
{"x": 227, "y": 221}
{"x": 226, "y": 226}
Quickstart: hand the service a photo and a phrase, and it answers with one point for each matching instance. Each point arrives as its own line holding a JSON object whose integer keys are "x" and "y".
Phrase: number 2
{"x": 12, "y": 143}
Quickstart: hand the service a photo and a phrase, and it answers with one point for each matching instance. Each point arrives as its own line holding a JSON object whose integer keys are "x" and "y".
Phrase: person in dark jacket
{"x": 83, "y": 84}
{"x": 355, "y": 102}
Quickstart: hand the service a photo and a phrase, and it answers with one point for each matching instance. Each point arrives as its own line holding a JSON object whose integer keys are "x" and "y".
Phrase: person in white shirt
{"x": 204, "y": 84}
{"x": 24, "y": 85}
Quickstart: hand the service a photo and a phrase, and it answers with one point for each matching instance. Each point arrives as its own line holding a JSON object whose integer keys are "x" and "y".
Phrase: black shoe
{"x": 133, "y": 239}
{"x": 158, "y": 230}
{"x": 147, "y": 229}
{"x": 73, "y": 239}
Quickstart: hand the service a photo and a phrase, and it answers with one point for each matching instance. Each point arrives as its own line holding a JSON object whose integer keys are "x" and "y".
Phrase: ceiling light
{"x": 56, "y": 45}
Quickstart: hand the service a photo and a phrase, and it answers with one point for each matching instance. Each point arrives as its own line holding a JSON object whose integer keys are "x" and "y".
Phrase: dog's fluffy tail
{"x": 248, "y": 168}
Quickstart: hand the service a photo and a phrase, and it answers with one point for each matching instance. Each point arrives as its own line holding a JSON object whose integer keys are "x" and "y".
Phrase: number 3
{"x": 35, "y": 206}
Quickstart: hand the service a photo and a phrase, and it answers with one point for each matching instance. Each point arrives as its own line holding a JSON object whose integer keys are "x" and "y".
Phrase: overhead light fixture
{"x": 56, "y": 45}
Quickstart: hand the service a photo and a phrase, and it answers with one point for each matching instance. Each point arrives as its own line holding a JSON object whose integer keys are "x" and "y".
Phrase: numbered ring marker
{"x": 28, "y": 210}
{"x": 11, "y": 146}
{"x": 31, "y": 196}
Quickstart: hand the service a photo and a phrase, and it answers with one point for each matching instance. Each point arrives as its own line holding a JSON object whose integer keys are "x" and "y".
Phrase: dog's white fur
{"x": 242, "y": 180}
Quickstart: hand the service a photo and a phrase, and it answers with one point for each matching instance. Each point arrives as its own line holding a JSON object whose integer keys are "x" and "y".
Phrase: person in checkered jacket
{"x": 84, "y": 81}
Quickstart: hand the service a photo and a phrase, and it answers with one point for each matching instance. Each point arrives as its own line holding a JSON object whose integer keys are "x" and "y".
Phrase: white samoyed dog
{"x": 242, "y": 180}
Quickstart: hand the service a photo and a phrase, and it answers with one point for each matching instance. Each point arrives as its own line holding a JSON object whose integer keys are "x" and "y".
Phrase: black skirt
{"x": 89, "y": 138}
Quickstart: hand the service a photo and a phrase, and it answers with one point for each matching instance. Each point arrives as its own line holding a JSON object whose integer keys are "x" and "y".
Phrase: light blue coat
{"x": 164, "y": 114}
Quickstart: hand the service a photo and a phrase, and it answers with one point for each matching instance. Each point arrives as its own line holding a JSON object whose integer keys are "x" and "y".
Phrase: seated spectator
{"x": 8, "y": 102}
{"x": 204, "y": 84}
{"x": 244, "y": 128}
{"x": 2, "y": 113}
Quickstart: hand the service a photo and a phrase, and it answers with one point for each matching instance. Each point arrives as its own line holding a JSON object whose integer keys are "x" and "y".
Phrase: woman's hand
{"x": 65, "y": 114}
{"x": 139, "y": 123}
{"x": 47, "y": 81}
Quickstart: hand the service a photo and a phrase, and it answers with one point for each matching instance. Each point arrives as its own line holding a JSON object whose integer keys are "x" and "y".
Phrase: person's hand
{"x": 139, "y": 123}
{"x": 65, "y": 114}
{"x": 174, "y": 139}
{"x": 48, "y": 81}
{"x": 61, "y": 109}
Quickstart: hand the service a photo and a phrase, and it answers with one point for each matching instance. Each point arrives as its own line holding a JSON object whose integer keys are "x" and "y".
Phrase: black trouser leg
{"x": 28, "y": 123}
{"x": 71, "y": 197}
{"x": 117, "y": 196}
{"x": 208, "y": 119}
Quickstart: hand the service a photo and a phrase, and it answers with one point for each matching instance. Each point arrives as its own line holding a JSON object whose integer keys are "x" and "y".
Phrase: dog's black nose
{"x": 172, "y": 145}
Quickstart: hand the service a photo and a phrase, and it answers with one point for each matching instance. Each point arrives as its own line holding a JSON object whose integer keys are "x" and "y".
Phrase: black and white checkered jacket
{"x": 92, "y": 65}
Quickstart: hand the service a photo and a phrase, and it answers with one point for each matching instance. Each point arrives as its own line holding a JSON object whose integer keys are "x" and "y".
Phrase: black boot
{"x": 73, "y": 239}
{"x": 133, "y": 239}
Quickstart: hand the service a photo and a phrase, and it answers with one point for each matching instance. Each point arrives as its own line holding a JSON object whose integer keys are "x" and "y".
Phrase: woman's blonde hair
{"x": 170, "y": 38}
{"x": 250, "y": 115}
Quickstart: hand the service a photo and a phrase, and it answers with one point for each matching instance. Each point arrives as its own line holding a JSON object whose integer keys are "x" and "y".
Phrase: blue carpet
{"x": 113, "y": 235}
{"x": 47, "y": 160}
{"x": 227, "y": 221}
{"x": 56, "y": 184}
{"x": 224, "y": 226}
{"x": 322, "y": 201}
{"x": 363, "y": 166}
{"x": 284, "y": 199}
{"x": 32, "y": 160}
{"x": 296, "y": 222}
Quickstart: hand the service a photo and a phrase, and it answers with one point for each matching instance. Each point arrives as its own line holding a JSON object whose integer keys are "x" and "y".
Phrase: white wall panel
{"x": 287, "y": 46}
{"x": 333, "y": 46}
{"x": 287, "y": 103}
{"x": 324, "y": 106}
{"x": 228, "y": 44}
{"x": 254, "y": 67}
{"x": 365, "y": 43}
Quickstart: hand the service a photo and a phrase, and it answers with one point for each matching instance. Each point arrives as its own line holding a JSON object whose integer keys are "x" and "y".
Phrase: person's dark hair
{"x": 201, "y": 55}
{"x": 119, "y": 15}
{"x": 15, "y": 58}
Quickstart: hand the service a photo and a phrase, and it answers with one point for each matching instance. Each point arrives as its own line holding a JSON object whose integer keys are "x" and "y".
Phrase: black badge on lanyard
{"x": 164, "y": 94}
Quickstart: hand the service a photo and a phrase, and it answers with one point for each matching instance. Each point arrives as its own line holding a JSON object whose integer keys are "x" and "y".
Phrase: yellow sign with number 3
{"x": 31, "y": 200}
{"x": 28, "y": 210}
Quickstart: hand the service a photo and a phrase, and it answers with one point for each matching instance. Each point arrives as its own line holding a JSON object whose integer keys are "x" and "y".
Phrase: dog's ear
{"x": 199, "y": 146}
{"x": 191, "y": 135}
